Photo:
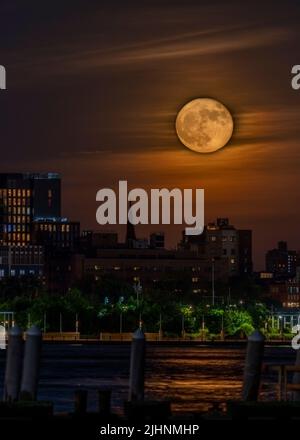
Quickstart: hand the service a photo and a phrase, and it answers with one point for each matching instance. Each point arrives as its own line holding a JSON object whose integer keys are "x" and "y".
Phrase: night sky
{"x": 93, "y": 89}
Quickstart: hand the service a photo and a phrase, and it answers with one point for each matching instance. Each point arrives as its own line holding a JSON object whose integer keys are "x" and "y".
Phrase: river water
{"x": 191, "y": 376}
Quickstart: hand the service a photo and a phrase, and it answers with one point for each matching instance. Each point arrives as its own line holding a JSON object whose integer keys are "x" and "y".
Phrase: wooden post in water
{"x": 31, "y": 365}
{"x": 13, "y": 369}
{"x": 104, "y": 400}
{"x": 80, "y": 401}
{"x": 137, "y": 366}
{"x": 253, "y": 366}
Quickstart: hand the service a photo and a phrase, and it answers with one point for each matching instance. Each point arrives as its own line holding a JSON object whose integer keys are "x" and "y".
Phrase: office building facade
{"x": 23, "y": 199}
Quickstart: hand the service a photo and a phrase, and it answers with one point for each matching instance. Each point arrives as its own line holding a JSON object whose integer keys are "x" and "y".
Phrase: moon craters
{"x": 204, "y": 125}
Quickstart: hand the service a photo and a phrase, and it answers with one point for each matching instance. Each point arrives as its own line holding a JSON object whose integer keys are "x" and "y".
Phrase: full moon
{"x": 204, "y": 125}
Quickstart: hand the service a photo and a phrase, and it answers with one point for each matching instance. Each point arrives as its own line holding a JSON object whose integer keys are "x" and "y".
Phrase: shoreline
{"x": 167, "y": 342}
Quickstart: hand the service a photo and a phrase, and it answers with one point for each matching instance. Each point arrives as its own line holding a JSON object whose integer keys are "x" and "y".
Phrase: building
{"x": 56, "y": 233}
{"x": 287, "y": 294}
{"x": 24, "y": 198}
{"x": 18, "y": 261}
{"x": 33, "y": 235}
{"x": 245, "y": 251}
{"x": 282, "y": 262}
{"x": 46, "y": 195}
{"x": 150, "y": 266}
{"x": 221, "y": 240}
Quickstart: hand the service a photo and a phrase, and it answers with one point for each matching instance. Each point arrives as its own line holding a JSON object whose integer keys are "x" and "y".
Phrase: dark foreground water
{"x": 190, "y": 376}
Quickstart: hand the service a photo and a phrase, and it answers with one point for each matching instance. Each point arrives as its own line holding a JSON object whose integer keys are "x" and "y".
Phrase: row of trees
{"x": 116, "y": 306}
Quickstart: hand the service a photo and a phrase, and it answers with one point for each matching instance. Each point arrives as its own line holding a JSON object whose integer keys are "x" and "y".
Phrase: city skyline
{"x": 31, "y": 214}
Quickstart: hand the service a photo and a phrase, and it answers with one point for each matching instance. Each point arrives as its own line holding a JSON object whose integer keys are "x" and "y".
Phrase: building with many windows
{"x": 282, "y": 262}
{"x": 221, "y": 240}
{"x": 150, "y": 266}
{"x": 56, "y": 233}
{"x": 23, "y": 199}
{"x": 18, "y": 261}
{"x": 33, "y": 235}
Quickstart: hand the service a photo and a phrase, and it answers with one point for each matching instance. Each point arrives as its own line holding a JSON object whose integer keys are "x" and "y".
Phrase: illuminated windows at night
{"x": 24, "y": 197}
{"x": 16, "y": 216}
{"x": 18, "y": 261}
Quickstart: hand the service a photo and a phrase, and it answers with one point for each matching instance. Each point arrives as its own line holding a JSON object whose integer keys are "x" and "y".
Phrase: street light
{"x": 45, "y": 322}
{"x": 76, "y": 323}
{"x": 182, "y": 326}
{"x": 281, "y": 326}
{"x": 160, "y": 327}
{"x": 60, "y": 323}
{"x": 222, "y": 327}
{"x": 138, "y": 290}
{"x": 213, "y": 280}
{"x": 203, "y": 327}
{"x": 121, "y": 322}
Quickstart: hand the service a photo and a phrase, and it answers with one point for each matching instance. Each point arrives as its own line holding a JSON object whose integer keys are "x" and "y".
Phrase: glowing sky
{"x": 94, "y": 89}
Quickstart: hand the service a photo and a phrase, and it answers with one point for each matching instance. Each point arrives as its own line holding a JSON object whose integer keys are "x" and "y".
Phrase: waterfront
{"x": 191, "y": 376}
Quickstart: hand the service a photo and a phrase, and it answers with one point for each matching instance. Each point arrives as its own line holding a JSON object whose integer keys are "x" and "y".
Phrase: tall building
{"x": 281, "y": 261}
{"x": 33, "y": 235}
{"x": 23, "y": 199}
{"x": 245, "y": 251}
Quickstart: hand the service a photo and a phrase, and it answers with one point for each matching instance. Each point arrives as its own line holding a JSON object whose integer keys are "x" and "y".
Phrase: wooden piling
{"x": 13, "y": 369}
{"x": 137, "y": 366}
{"x": 253, "y": 366}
